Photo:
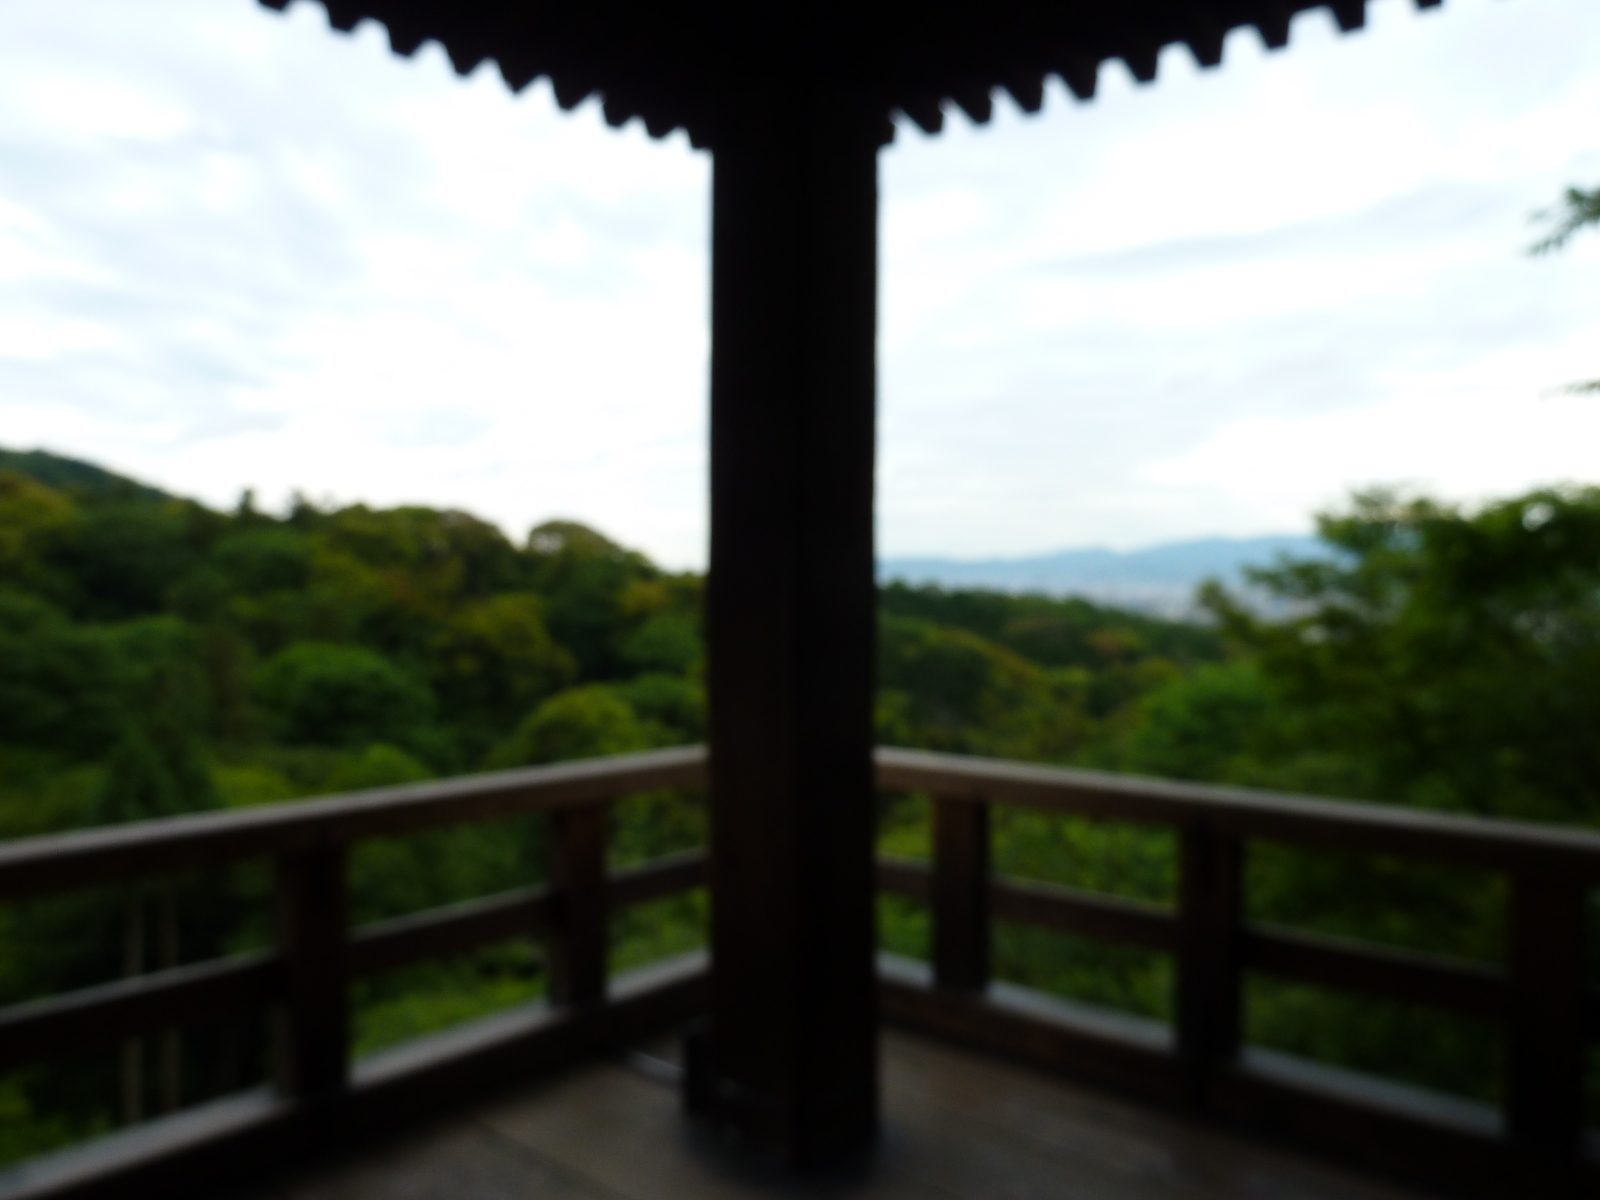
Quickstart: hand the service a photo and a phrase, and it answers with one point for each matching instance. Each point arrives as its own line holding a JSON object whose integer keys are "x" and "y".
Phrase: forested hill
{"x": 157, "y": 655}
{"x": 73, "y": 475}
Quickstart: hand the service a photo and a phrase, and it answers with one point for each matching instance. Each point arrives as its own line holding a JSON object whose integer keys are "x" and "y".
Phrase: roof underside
{"x": 668, "y": 63}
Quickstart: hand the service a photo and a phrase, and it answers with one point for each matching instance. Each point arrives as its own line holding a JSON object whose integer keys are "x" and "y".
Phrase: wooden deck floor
{"x": 958, "y": 1125}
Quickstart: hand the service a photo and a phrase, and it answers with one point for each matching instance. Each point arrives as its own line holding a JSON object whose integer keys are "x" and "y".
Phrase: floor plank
{"x": 959, "y": 1126}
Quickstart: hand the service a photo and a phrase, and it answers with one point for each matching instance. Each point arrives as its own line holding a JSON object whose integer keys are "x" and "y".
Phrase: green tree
{"x": 377, "y": 765}
{"x": 1053, "y": 631}
{"x": 664, "y": 641}
{"x": 581, "y": 722}
{"x": 494, "y": 659}
{"x": 949, "y": 689}
{"x": 672, "y": 706}
{"x": 1578, "y": 208}
{"x": 333, "y": 695}
{"x": 34, "y": 519}
{"x": 584, "y": 579}
{"x": 154, "y": 772}
{"x": 1208, "y": 725}
{"x": 263, "y": 559}
{"x": 124, "y": 557}
{"x": 59, "y": 682}
{"x": 1449, "y": 658}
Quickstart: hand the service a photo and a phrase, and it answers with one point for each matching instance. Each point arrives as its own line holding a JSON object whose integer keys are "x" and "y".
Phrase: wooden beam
{"x": 450, "y": 929}
{"x": 1363, "y": 1121}
{"x": 1130, "y": 1055}
{"x": 658, "y": 878}
{"x": 1071, "y": 910}
{"x": 209, "y": 1149}
{"x": 62, "y": 861}
{"x": 1322, "y": 824}
{"x": 1453, "y": 984}
{"x": 905, "y": 877}
{"x": 791, "y": 603}
{"x": 42, "y": 1029}
{"x": 1457, "y": 985}
{"x": 453, "y": 928}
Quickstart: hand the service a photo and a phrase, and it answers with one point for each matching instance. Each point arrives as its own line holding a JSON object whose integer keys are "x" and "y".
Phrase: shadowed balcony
{"x": 956, "y": 1124}
{"x": 988, "y": 1088}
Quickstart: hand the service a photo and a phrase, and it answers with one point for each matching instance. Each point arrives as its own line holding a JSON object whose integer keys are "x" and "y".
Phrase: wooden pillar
{"x": 791, "y": 1058}
{"x": 960, "y": 894}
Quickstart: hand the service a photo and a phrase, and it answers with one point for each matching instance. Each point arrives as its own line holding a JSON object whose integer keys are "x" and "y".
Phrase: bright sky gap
{"x": 240, "y": 250}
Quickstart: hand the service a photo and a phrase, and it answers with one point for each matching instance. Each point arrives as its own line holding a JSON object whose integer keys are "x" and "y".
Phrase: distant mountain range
{"x": 1159, "y": 579}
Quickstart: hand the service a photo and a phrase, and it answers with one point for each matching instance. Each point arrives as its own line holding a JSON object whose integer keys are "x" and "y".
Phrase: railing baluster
{"x": 132, "y": 964}
{"x": 1209, "y": 953}
{"x": 1545, "y": 1043}
{"x": 578, "y": 926}
{"x": 313, "y": 936}
{"x": 961, "y": 894}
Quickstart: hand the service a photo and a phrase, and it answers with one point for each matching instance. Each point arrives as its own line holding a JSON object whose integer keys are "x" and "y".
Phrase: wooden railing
{"x": 1541, "y": 995}
{"x": 319, "y": 1095}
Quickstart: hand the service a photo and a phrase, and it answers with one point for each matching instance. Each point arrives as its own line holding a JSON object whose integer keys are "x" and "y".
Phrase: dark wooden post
{"x": 791, "y": 1058}
{"x": 1209, "y": 967}
{"x": 961, "y": 894}
{"x": 1545, "y": 1059}
{"x": 133, "y": 964}
{"x": 313, "y": 934}
{"x": 578, "y": 922}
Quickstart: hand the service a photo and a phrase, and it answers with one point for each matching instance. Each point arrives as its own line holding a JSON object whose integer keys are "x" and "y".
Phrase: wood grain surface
{"x": 958, "y": 1125}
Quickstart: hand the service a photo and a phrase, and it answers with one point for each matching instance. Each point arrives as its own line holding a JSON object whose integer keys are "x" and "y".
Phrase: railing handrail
{"x": 59, "y": 861}
{"x": 1540, "y": 996}
{"x": 1495, "y": 842}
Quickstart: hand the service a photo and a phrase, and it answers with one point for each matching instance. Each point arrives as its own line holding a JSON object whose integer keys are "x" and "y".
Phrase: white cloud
{"x": 93, "y": 110}
{"x": 240, "y": 249}
{"x": 1452, "y": 441}
{"x": 1172, "y": 282}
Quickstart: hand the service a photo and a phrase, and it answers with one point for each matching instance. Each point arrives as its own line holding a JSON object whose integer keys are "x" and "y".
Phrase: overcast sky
{"x": 239, "y": 249}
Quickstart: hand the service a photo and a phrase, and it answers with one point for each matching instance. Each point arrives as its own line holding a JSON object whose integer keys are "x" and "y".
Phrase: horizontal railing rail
{"x": 42, "y": 1029}
{"x": 305, "y": 976}
{"x": 1540, "y": 995}
{"x": 1246, "y": 812}
{"x": 57, "y": 862}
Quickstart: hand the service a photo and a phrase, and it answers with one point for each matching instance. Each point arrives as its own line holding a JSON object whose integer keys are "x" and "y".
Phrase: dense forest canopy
{"x": 158, "y": 656}
{"x": 266, "y": 653}
{"x": 161, "y": 656}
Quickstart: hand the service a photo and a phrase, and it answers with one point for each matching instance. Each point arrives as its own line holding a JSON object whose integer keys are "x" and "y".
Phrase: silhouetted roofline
{"x": 666, "y": 62}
